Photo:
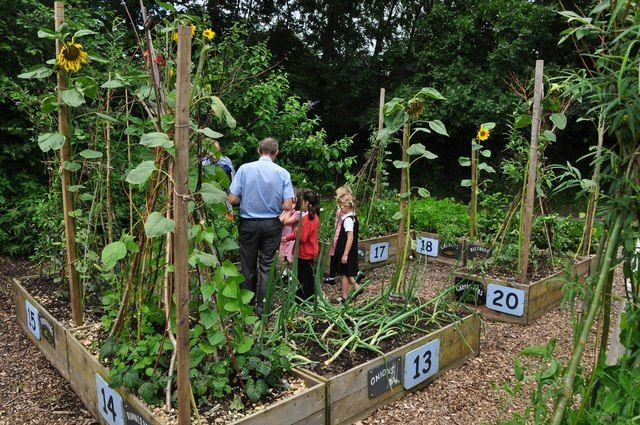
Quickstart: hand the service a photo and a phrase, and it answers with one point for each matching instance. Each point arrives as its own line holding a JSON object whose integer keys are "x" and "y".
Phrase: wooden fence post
{"x": 67, "y": 197}
{"x": 533, "y": 166}
{"x": 181, "y": 240}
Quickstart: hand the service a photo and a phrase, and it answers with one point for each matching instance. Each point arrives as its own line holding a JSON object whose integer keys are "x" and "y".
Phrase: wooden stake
{"x": 403, "y": 190}
{"x": 533, "y": 166}
{"x": 67, "y": 199}
{"x": 181, "y": 214}
{"x": 381, "y": 110}
{"x": 593, "y": 200}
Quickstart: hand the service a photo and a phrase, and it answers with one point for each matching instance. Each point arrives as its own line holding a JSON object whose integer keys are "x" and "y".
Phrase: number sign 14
{"x": 109, "y": 402}
{"x": 421, "y": 364}
{"x": 505, "y": 299}
{"x": 379, "y": 252}
{"x": 427, "y": 246}
{"x": 33, "y": 319}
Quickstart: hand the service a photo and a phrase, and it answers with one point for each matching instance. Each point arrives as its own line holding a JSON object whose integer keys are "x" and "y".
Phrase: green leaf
{"x": 90, "y": 154}
{"x": 486, "y": 153}
{"x": 165, "y": 5}
{"x": 75, "y": 187}
{"x": 246, "y": 296}
{"x": 245, "y": 345}
{"x": 397, "y": 216}
{"x": 416, "y": 149}
{"x": 38, "y": 71}
{"x": 429, "y": 155}
{"x": 231, "y": 306}
{"x": 438, "y": 127}
{"x": 483, "y": 166}
{"x": 216, "y": 338}
{"x": 71, "y": 166}
{"x": 107, "y": 117}
{"x": 156, "y": 139}
{"x": 464, "y": 161}
{"x": 48, "y": 34}
{"x": 72, "y": 97}
{"x": 203, "y": 258}
{"x": 49, "y": 104}
{"x": 229, "y": 245}
{"x": 82, "y": 33}
{"x": 560, "y": 120}
{"x": 112, "y": 84}
{"x": 113, "y": 253}
{"x": 423, "y": 192}
{"x": 230, "y": 291}
{"x": 220, "y": 111}
{"x": 211, "y": 194}
{"x": 48, "y": 141}
{"x": 141, "y": 173}
{"x": 430, "y": 92}
{"x": 537, "y": 350}
{"x": 550, "y": 136}
{"x": 523, "y": 121}
{"x": 383, "y": 134}
{"x": 209, "y": 318}
{"x": 207, "y": 290}
{"x": 488, "y": 125}
{"x": 465, "y": 183}
{"x": 157, "y": 225}
{"x": 209, "y": 133}
{"x": 400, "y": 164}
{"x": 87, "y": 197}
{"x": 87, "y": 86}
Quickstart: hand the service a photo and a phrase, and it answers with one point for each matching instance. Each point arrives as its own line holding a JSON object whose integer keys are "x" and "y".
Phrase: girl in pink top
{"x": 290, "y": 220}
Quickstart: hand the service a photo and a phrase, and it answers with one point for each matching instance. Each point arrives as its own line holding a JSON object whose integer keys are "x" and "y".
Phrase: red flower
{"x": 159, "y": 59}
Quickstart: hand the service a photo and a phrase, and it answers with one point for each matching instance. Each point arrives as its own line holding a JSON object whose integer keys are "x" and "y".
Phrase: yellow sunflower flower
{"x": 193, "y": 30}
{"x": 209, "y": 34}
{"x": 71, "y": 56}
{"x": 483, "y": 134}
{"x": 171, "y": 72}
{"x": 174, "y": 36}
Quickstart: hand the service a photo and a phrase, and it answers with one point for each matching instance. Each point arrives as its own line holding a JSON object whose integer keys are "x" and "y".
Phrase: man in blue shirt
{"x": 263, "y": 189}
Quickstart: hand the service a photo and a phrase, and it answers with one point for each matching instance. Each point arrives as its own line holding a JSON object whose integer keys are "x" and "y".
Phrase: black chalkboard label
{"x": 47, "y": 330}
{"x": 478, "y": 251}
{"x": 470, "y": 291}
{"x": 450, "y": 250}
{"x": 133, "y": 417}
{"x": 384, "y": 377}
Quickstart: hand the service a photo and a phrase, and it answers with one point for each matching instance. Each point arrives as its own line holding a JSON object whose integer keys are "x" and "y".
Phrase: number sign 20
{"x": 33, "y": 319}
{"x": 505, "y": 299}
{"x": 421, "y": 364}
{"x": 109, "y": 402}
{"x": 379, "y": 252}
{"x": 427, "y": 246}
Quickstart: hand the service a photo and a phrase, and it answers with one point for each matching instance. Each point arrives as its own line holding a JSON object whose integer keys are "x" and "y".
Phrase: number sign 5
{"x": 109, "y": 402}
{"x": 421, "y": 364}
{"x": 33, "y": 319}
{"x": 379, "y": 252}
{"x": 427, "y": 246}
{"x": 505, "y": 299}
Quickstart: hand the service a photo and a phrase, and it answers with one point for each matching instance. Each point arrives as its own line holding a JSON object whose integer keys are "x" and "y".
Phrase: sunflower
{"x": 209, "y": 34}
{"x": 71, "y": 56}
{"x": 193, "y": 30}
{"x": 171, "y": 72}
{"x": 174, "y": 37}
{"x": 483, "y": 134}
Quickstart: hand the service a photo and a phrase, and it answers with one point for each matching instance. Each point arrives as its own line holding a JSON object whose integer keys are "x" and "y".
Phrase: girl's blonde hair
{"x": 343, "y": 190}
{"x": 346, "y": 200}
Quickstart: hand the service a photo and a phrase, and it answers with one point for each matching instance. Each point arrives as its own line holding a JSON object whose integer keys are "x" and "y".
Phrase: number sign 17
{"x": 109, "y": 402}
{"x": 421, "y": 364}
{"x": 379, "y": 252}
{"x": 33, "y": 319}
{"x": 505, "y": 299}
{"x": 427, "y": 246}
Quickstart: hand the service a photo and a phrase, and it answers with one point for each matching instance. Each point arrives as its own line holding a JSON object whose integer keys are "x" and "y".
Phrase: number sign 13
{"x": 427, "y": 246}
{"x": 379, "y": 252}
{"x": 33, "y": 319}
{"x": 505, "y": 299}
{"x": 109, "y": 402}
{"x": 421, "y": 364}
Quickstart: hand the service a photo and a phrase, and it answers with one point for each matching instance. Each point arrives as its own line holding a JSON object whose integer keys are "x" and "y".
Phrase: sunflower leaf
{"x": 48, "y": 34}
{"x": 38, "y": 71}
{"x": 72, "y": 97}
{"x": 82, "y": 33}
{"x": 438, "y": 127}
{"x": 87, "y": 86}
{"x": 49, "y": 141}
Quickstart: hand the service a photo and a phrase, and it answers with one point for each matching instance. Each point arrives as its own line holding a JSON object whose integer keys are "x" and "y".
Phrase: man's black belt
{"x": 259, "y": 219}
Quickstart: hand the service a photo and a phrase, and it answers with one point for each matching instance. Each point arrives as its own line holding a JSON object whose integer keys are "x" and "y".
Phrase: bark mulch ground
{"x": 32, "y": 391}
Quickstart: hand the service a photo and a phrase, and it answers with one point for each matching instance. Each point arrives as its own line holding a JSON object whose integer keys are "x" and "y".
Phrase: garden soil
{"x": 32, "y": 391}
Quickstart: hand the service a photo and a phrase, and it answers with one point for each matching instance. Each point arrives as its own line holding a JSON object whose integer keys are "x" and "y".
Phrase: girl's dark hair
{"x": 314, "y": 203}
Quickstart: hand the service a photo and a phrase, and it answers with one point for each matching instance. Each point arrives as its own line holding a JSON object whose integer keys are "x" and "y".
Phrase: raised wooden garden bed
{"x": 356, "y": 393}
{"x": 434, "y": 247}
{"x": 508, "y": 301}
{"x": 119, "y": 407}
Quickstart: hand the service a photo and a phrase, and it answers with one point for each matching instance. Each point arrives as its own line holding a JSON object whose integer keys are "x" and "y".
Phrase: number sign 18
{"x": 33, "y": 319}
{"x": 427, "y": 246}
{"x": 505, "y": 299}
{"x": 379, "y": 252}
{"x": 421, "y": 364}
{"x": 109, "y": 402}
